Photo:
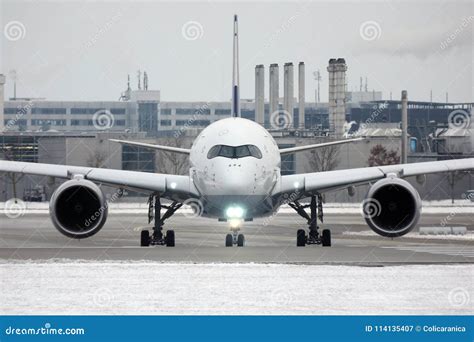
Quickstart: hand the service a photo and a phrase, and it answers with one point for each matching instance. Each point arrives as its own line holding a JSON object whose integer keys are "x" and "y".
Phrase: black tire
{"x": 240, "y": 240}
{"x": 145, "y": 238}
{"x": 326, "y": 238}
{"x": 169, "y": 238}
{"x": 228, "y": 240}
{"x": 300, "y": 238}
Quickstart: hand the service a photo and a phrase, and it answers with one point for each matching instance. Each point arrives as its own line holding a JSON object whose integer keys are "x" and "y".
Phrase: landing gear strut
{"x": 235, "y": 238}
{"x": 154, "y": 212}
{"x": 316, "y": 212}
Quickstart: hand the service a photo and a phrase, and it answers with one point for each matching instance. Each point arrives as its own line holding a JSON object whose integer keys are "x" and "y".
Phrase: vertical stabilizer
{"x": 235, "y": 73}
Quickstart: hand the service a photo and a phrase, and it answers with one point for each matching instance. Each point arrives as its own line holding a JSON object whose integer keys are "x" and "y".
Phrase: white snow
{"x": 469, "y": 236}
{"x": 64, "y": 287}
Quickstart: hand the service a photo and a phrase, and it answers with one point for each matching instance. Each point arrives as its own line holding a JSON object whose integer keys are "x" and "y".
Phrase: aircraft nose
{"x": 238, "y": 180}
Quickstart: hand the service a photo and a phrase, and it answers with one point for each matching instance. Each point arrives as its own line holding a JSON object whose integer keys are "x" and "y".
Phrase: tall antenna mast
{"x": 145, "y": 80}
{"x": 235, "y": 73}
{"x": 139, "y": 76}
{"x": 318, "y": 78}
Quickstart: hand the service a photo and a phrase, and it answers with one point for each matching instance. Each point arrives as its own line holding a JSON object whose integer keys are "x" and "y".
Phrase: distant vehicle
{"x": 235, "y": 176}
{"x": 469, "y": 195}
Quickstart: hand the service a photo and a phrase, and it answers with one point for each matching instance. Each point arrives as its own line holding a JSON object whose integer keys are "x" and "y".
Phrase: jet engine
{"x": 78, "y": 208}
{"x": 392, "y": 207}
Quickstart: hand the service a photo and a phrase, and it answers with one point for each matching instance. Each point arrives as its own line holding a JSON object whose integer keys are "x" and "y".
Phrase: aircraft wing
{"x": 339, "y": 179}
{"x": 314, "y": 146}
{"x": 170, "y": 186}
{"x": 153, "y": 146}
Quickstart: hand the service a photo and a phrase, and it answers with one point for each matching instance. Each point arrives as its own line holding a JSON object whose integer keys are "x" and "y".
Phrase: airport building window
{"x": 48, "y": 111}
{"x": 117, "y": 111}
{"x": 148, "y": 117}
{"x": 86, "y": 110}
{"x": 165, "y": 122}
{"x": 165, "y": 111}
{"x": 193, "y": 111}
{"x": 36, "y": 122}
{"x": 222, "y": 111}
{"x": 234, "y": 152}
{"x": 191, "y": 122}
{"x": 248, "y": 114}
{"x": 11, "y": 110}
{"x": 81, "y": 123}
{"x": 119, "y": 123}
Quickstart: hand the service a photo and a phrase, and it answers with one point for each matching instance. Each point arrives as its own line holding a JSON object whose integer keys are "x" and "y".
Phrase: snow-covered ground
{"x": 64, "y": 287}
{"x": 469, "y": 236}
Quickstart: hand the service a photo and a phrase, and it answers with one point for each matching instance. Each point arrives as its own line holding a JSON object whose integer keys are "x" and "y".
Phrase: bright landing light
{"x": 235, "y": 212}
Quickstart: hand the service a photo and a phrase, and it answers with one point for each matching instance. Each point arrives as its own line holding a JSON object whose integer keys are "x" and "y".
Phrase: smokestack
{"x": 301, "y": 94}
{"x": 337, "y": 95}
{"x": 288, "y": 91}
{"x": 2, "y": 117}
{"x": 274, "y": 88}
{"x": 260, "y": 94}
{"x": 404, "y": 126}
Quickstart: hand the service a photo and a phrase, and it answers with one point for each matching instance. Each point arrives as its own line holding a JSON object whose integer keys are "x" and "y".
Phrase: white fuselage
{"x": 235, "y": 177}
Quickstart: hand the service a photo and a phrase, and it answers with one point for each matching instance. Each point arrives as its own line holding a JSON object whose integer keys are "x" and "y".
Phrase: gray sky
{"x": 83, "y": 50}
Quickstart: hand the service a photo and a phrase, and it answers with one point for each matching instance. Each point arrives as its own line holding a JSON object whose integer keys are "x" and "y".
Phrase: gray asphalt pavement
{"x": 33, "y": 236}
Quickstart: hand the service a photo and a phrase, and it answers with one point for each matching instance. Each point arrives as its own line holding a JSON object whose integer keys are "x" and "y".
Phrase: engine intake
{"x": 78, "y": 208}
{"x": 392, "y": 207}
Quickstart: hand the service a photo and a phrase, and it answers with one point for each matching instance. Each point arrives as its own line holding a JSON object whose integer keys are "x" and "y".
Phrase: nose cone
{"x": 237, "y": 180}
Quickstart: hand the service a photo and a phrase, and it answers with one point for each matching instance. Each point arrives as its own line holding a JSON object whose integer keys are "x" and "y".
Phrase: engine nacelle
{"x": 78, "y": 208}
{"x": 392, "y": 207}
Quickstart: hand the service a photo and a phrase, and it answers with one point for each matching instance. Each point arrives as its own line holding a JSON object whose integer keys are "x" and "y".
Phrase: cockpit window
{"x": 234, "y": 151}
{"x": 242, "y": 151}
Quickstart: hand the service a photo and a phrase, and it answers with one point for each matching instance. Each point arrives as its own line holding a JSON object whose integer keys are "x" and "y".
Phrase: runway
{"x": 200, "y": 240}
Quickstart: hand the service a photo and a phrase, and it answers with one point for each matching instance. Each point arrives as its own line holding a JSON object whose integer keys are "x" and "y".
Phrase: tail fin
{"x": 235, "y": 73}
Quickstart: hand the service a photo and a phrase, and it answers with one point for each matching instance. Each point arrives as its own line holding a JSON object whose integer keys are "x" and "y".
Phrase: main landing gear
{"x": 235, "y": 238}
{"x": 154, "y": 212}
{"x": 316, "y": 212}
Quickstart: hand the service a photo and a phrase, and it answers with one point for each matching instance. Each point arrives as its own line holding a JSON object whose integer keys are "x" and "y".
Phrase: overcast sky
{"x": 82, "y": 50}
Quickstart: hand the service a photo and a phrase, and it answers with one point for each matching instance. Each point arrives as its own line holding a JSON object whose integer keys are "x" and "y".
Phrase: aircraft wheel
{"x": 228, "y": 240}
{"x": 241, "y": 240}
{"x": 170, "y": 238}
{"x": 145, "y": 238}
{"x": 326, "y": 238}
{"x": 300, "y": 238}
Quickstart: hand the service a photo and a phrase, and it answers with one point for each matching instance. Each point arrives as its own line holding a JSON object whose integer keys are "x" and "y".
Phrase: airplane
{"x": 235, "y": 176}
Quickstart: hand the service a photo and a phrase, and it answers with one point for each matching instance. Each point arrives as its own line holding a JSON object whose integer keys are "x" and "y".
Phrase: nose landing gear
{"x": 157, "y": 237}
{"x": 235, "y": 238}
{"x": 316, "y": 212}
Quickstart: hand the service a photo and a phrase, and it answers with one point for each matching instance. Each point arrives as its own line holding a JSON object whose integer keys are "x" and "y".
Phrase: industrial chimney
{"x": 301, "y": 94}
{"x": 260, "y": 94}
{"x": 274, "y": 88}
{"x": 2, "y": 117}
{"x": 404, "y": 127}
{"x": 337, "y": 95}
{"x": 288, "y": 91}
